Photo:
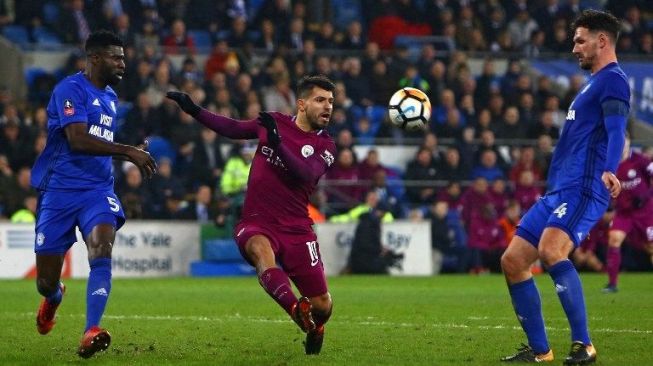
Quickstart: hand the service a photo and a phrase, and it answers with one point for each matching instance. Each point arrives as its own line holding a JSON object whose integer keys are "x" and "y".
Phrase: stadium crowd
{"x": 254, "y": 53}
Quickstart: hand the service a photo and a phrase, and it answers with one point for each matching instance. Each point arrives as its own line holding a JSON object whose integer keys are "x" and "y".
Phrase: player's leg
{"x": 55, "y": 234}
{"x": 613, "y": 259}
{"x": 516, "y": 263}
{"x": 259, "y": 252}
{"x": 48, "y": 274}
{"x": 100, "y": 244}
{"x": 567, "y": 226}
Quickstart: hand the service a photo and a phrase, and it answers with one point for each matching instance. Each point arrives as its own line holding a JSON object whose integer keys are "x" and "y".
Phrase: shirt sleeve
{"x": 229, "y": 127}
{"x": 70, "y": 100}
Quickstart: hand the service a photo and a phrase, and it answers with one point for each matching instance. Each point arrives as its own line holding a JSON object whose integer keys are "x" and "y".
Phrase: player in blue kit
{"x": 73, "y": 176}
{"x": 581, "y": 180}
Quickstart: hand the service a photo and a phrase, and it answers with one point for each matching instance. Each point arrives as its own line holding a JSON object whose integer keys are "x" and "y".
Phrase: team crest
{"x": 307, "y": 150}
{"x": 68, "y": 108}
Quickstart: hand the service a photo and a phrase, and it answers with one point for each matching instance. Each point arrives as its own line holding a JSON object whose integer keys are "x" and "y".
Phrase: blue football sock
{"x": 570, "y": 292}
{"x": 528, "y": 307}
{"x": 97, "y": 290}
{"x": 55, "y": 298}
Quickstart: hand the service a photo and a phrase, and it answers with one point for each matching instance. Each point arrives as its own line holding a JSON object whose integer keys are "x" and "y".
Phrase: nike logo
{"x": 410, "y": 109}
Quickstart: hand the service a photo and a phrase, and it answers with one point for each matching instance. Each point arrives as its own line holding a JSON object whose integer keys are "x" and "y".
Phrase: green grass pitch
{"x": 442, "y": 320}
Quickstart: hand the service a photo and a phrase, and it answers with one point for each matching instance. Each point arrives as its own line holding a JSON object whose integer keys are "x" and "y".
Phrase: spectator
{"x": 368, "y": 255}
{"x": 342, "y": 181}
{"x": 526, "y": 192}
{"x": 509, "y": 220}
{"x": 420, "y": 173}
{"x": 488, "y": 167}
{"x": 27, "y": 212}
{"x": 134, "y": 195}
{"x": 178, "y": 41}
{"x": 485, "y": 242}
{"x": 20, "y": 189}
{"x": 448, "y": 238}
{"x": 207, "y": 162}
{"x": 164, "y": 186}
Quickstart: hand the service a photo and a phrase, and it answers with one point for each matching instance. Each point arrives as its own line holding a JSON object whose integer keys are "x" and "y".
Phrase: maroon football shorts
{"x": 296, "y": 250}
{"x": 637, "y": 224}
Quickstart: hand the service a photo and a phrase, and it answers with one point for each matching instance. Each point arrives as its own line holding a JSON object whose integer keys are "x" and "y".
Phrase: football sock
{"x": 613, "y": 264}
{"x": 570, "y": 292}
{"x": 276, "y": 283}
{"x": 55, "y": 298}
{"x": 528, "y": 307}
{"x": 97, "y": 290}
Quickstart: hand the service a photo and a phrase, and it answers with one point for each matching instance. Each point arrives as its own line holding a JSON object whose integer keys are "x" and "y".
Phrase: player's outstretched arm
{"x": 225, "y": 126}
{"x": 80, "y": 141}
{"x": 307, "y": 170}
{"x": 615, "y": 113}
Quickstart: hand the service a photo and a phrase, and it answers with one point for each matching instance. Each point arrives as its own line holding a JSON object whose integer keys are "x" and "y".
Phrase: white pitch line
{"x": 238, "y": 317}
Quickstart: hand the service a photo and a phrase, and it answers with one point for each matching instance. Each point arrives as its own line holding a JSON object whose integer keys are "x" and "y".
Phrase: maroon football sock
{"x": 612, "y": 267}
{"x": 277, "y": 285}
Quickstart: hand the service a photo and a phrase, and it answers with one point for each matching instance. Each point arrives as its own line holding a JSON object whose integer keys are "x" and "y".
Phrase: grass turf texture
{"x": 443, "y": 320}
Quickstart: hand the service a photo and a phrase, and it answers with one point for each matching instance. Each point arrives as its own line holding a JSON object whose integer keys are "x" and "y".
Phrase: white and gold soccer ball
{"x": 410, "y": 109}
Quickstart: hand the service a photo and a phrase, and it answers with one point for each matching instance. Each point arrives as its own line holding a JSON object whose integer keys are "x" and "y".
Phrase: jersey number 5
{"x": 113, "y": 204}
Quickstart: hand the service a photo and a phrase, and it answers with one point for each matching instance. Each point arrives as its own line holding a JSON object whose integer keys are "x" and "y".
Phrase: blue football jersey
{"x": 75, "y": 99}
{"x": 579, "y": 158}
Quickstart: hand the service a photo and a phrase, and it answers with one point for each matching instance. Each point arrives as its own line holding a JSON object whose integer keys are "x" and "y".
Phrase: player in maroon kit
{"x": 634, "y": 211}
{"x": 292, "y": 154}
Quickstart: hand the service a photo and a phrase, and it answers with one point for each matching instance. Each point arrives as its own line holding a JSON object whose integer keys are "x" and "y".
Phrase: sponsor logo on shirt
{"x": 307, "y": 150}
{"x": 328, "y": 157}
{"x": 68, "y": 108}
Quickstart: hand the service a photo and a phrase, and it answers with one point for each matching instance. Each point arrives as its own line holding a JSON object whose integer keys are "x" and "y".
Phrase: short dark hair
{"x": 596, "y": 20}
{"x": 101, "y": 39}
{"x": 307, "y": 83}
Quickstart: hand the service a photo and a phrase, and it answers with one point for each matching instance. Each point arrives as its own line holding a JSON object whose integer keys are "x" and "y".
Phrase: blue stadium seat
{"x": 32, "y": 73}
{"x": 160, "y": 147}
{"x": 221, "y": 250}
{"x": 45, "y": 37}
{"x": 206, "y": 269}
{"x": 253, "y": 7}
{"x": 202, "y": 38}
{"x": 17, "y": 34}
{"x": 51, "y": 12}
{"x": 345, "y": 12}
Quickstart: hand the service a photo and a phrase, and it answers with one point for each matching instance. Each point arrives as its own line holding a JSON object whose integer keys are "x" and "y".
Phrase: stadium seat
{"x": 17, "y": 34}
{"x": 201, "y": 38}
{"x": 51, "y": 12}
{"x": 160, "y": 147}
{"x": 345, "y": 12}
{"x": 32, "y": 73}
{"x": 45, "y": 37}
{"x": 253, "y": 7}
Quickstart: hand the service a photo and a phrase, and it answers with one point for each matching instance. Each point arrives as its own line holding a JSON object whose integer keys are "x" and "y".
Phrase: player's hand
{"x": 143, "y": 160}
{"x": 268, "y": 122}
{"x": 611, "y": 183}
{"x": 185, "y": 103}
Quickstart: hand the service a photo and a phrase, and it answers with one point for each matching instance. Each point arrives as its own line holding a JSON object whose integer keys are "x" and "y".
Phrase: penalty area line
{"x": 361, "y": 322}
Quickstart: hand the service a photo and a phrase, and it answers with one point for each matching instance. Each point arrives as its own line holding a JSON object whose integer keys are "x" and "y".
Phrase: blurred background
{"x": 499, "y": 74}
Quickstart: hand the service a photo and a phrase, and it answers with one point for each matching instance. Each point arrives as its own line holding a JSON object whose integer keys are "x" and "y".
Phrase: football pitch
{"x": 442, "y": 320}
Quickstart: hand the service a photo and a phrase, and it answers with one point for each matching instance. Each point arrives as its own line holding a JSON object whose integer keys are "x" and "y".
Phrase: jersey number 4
{"x": 561, "y": 210}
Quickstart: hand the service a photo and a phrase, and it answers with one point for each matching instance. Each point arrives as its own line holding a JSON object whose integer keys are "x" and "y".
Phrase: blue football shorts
{"x": 58, "y": 213}
{"x": 574, "y": 211}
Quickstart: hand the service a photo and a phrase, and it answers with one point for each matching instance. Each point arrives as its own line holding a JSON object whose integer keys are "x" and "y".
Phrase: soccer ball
{"x": 410, "y": 109}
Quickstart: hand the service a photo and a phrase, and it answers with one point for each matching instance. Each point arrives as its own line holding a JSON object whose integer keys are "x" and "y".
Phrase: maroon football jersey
{"x": 275, "y": 194}
{"x": 635, "y": 175}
